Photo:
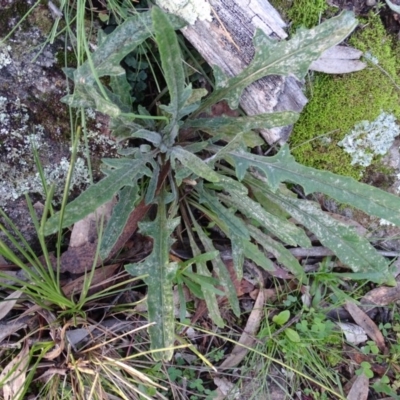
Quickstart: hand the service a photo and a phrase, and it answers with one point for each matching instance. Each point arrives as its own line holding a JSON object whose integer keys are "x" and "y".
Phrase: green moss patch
{"x": 339, "y": 102}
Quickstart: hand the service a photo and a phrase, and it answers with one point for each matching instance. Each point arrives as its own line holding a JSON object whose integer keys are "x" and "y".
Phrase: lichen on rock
{"x": 338, "y": 103}
{"x": 31, "y": 113}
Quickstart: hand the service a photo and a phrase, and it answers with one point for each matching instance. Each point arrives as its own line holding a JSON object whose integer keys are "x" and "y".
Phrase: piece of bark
{"x": 227, "y": 42}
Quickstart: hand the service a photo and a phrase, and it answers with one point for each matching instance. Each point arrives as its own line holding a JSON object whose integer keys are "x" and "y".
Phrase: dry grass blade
{"x": 14, "y": 374}
{"x": 8, "y": 329}
{"x": 133, "y": 372}
{"x": 9, "y": 302}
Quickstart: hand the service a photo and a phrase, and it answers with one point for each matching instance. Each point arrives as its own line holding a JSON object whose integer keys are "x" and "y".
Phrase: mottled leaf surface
{"x": 209, "y": 295}
{"x": 124, "y": 39}
{"x": 128, "y": 198}
{"x": 283, "y": 229}
{"x": 228, "y": 127}
{"x": 283, "y": 168}
{"x": 280, "y": 252}
{"x": 352, "y": 249}
{"x": 220, "y": 269}
{"x": 194, "y": 163}
{"x": 291, "y": 57}
{"x": 160, "y": 274}
{"x": 171, "y": 61}
{"x": 99, "y": 193}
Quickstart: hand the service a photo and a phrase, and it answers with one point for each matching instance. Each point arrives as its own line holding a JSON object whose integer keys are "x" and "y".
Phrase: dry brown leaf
{"x": 7, "y": 329}
{"x": 14, "y": 375}
{"x": 59, "y": 340}
{"x": 242, "y": 287}
{"x": 46, "y": 376}
{"x": 86, "y": 230}
{"x": 225, "y": 388}
{"x": 9, "y": 302}
{"x": 360, "y": 389}
{"x": 78, "y": 260}
{"x": 247, "y": 339}
{"x": 381, "y": 296}
{"x": 269, "y": 294}
{"x": 367, "y": 324}
{"x": 101, "y": 279}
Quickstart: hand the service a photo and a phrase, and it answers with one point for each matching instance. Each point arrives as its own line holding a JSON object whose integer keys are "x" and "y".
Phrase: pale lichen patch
{"x": 5, "y": 58}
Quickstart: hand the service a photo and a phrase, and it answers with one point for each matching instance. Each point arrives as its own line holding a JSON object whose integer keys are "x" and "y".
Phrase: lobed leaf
{"x": 160, "y": 275}
{"x": 128, "y": 199}
{"x": 252, "y": 252}
{"x": 352, "y": 249}
{"x": 228, "y": 127}
{"x": 194, "y": 163}
{"x": 283, "y": 229}
{"x": 237, "y": 229}
{"x": 123, "y": 128}
{"x": 124, "y": 39}
{"x": 121, "y": 89}
{"x": 283, "y": 168}
{"x": 219, "y": 268}
{"x": 151, "y": 189}
{"x": 291, "y": 57}
{"x": 99, "y": 193}
{"x": 171, "y": 61}
{"x": 280, "y": 252}
{"x": 235, "y": 225}
{"x": 209, "y": 294}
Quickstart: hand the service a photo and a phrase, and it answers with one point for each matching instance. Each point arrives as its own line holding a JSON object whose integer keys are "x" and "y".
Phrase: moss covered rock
{"x": 338, "y": 103}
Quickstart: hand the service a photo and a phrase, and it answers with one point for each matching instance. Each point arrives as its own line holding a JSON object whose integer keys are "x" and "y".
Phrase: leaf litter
{"x": 106, "y": 276}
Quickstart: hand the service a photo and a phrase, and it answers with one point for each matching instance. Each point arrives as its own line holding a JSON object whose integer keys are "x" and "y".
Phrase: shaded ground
{"x": 104, "y": 315}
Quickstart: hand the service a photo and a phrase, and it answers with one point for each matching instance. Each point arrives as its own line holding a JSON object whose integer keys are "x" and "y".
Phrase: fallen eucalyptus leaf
{"x": 8, "y": 303}
{"x": 339, "y": 60}
{"x": 393, "y": 6}
{"x": 13, "y": 375}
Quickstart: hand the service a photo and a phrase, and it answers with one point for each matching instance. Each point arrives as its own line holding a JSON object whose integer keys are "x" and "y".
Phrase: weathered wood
{"x": 227, "y": 42}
